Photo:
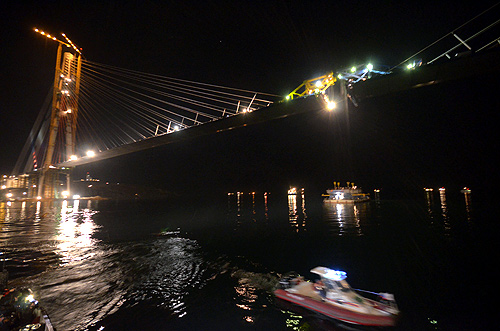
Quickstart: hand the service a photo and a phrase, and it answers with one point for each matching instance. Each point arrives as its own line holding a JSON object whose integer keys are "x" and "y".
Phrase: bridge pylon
{"x": 63, "y": 118}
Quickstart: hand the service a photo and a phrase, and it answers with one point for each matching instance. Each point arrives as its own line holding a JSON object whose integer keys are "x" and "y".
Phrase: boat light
{"x": 336, "y": 275}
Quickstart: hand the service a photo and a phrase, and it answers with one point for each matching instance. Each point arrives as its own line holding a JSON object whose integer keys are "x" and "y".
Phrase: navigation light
{"x": 336, "y": 275}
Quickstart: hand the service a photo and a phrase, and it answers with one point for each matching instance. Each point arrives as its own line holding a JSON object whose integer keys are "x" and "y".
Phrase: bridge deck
{"x": 463, "y": 68}
{"x": 275, "y": 111}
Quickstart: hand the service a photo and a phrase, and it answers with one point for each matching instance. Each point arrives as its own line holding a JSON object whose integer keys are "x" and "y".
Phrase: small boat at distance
{"x": 333, "y": 297}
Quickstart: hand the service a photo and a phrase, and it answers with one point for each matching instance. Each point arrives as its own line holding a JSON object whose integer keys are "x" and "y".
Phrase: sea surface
{"x": 211, "y": 263}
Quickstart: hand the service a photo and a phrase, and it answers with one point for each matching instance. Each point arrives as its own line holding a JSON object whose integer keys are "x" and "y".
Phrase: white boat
{"x": 333, "y": 297}
{"x": 348, "y": 194}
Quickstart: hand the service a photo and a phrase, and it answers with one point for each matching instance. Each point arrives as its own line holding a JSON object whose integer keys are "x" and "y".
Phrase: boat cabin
{"x": 335, "y": 286}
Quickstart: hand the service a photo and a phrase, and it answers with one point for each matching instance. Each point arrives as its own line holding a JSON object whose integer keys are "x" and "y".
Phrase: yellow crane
{"x": 315, "y": 86}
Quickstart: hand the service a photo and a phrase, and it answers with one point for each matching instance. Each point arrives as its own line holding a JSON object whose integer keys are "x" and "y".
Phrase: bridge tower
{"x": 63, "y": 118}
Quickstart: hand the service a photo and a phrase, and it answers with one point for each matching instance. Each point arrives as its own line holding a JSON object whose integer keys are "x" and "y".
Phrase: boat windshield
{"x": 342, "y": 285}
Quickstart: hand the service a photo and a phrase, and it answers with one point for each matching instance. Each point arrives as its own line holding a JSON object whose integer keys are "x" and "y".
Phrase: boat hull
{"x": 334, "y": 312}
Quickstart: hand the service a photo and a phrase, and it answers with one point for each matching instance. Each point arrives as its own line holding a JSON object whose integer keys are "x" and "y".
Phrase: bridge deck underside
{"x": 463, "y": 68}
{"x": 275, "y": 111}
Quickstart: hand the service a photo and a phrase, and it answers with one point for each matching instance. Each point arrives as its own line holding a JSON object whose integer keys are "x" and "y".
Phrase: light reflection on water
{"x": 297, "y": 217}
{"x": 74, "y": 233}
{"x": 439, "y": 213}
{"x": 444, "y": 211}
{"x": 468, "y": 204}
{"x": 247, "y": 207}
{"x": 82, "y": 280}
{"x": 346, "y": 218}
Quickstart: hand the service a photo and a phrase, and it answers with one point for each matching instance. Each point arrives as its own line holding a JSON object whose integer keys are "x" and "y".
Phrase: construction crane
{"x": 315, "y": 86}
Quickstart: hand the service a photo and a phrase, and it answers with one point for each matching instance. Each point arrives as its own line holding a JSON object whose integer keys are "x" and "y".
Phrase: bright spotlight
{"x": 369, "y": 67}
{"x": 90, "y": 153}
{"x": 410, "y": 66}
{"x": 331, "y": 105}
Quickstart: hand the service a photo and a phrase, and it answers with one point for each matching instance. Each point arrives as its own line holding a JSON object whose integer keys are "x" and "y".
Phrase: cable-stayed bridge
{"x": 119, "y": 108}
{"x": 96, "y": 111}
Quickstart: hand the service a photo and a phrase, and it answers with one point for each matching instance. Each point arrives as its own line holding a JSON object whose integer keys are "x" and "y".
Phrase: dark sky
{"x": 268, "y": 46}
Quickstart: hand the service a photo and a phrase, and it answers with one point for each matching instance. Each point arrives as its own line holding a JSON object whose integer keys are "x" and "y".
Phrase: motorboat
{"x": 20, "y": 311}
{"x": 333, "y": 297}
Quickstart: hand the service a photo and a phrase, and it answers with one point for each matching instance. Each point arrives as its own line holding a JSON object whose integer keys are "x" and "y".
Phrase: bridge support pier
{"x": 52, "y": 182}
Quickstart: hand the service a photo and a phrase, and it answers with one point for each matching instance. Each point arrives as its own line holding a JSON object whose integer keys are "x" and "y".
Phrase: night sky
{"x": 268, "y": 46}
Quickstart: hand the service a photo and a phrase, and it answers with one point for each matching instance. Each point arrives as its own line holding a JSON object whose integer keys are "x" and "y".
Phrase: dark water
{"x": 211, "y": 264}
